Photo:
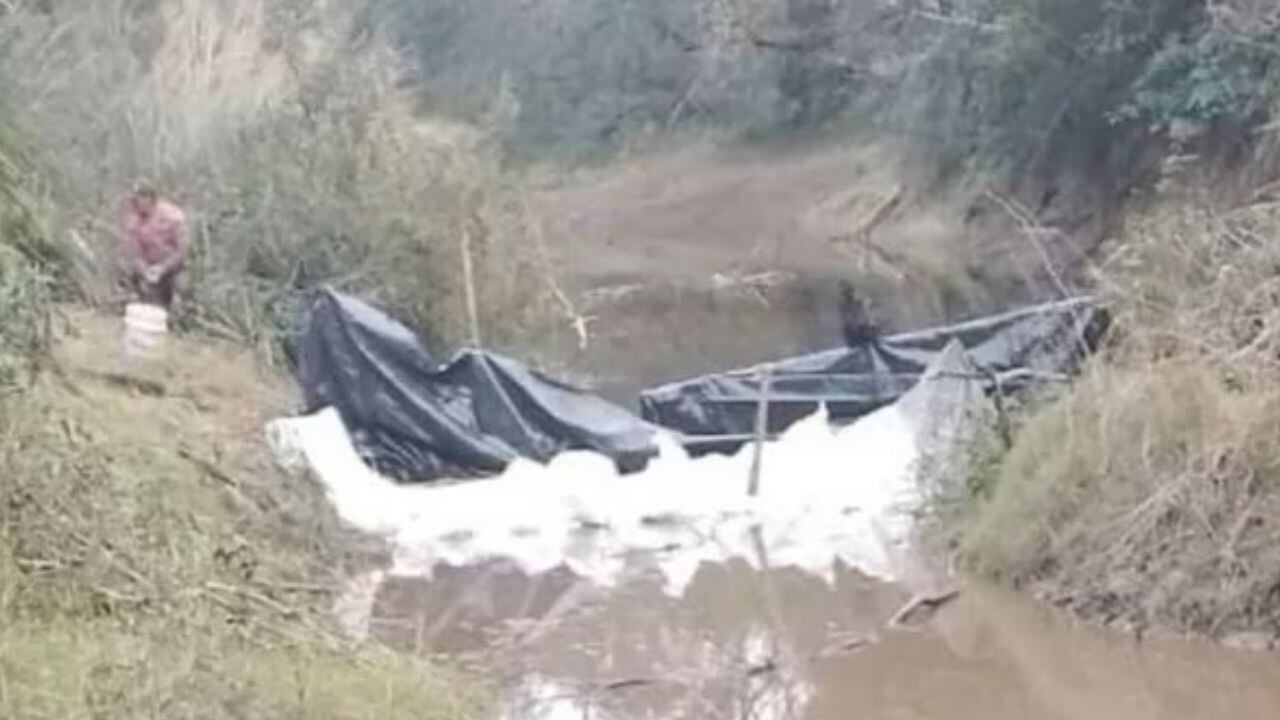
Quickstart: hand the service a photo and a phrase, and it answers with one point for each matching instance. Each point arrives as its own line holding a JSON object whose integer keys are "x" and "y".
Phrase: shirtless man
{"x": 155, "y": 234}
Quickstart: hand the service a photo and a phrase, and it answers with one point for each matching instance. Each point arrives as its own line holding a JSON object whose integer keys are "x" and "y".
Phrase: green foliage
{"x": 574, "y": 78}
{"x": 1032, "y": 86}
{"x": 1188, "y": 87}
{"x": 23, "y": 308}
{"x": 27, "y": 265}
{"x": 1063, "y": 87}
{"x": 1042, "y": 86}
{"x": 353, "y": 193}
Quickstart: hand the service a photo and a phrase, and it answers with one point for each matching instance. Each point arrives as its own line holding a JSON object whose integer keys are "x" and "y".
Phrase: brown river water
{"x": 782, "y": 645}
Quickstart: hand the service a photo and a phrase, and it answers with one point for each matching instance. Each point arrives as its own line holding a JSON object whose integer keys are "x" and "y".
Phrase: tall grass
{"x": 154, "y": 564}
{"x": 288, "y": 133}
{"x": 28, "y": 265}
{"x": 1151, "y": 491}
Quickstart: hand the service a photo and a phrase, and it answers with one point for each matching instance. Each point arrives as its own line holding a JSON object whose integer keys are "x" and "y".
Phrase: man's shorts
{"x": 161, "y": 292}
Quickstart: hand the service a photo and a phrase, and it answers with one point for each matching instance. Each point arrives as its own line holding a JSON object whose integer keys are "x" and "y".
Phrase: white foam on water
{"x": 826, "y": 495}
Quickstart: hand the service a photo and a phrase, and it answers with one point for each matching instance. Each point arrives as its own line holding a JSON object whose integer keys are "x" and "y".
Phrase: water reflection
{"x": 785, "y": 645}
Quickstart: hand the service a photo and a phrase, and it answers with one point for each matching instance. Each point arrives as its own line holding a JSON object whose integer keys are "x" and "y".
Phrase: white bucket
{"x": 145, "y": 330}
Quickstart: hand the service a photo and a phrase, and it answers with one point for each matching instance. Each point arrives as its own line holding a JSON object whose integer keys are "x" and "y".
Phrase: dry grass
{"x": 1150, "y": 493}
{"x": 153, "y": 563}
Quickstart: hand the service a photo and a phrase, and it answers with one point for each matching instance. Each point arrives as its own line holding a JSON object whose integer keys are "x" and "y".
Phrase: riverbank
{"x": 154, "y": 562}
{"x": 1147, "y": 496}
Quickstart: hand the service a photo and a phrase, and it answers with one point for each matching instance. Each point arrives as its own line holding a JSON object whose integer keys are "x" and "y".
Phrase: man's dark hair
{"x": 145, "y": 191}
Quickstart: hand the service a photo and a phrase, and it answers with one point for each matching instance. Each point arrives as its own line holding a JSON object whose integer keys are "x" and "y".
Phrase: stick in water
{"x": 762, "y": 429}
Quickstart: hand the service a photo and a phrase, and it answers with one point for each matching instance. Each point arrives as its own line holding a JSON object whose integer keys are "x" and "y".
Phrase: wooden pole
{"x": 762, "y": 430}
{"x": 468, "y": 276}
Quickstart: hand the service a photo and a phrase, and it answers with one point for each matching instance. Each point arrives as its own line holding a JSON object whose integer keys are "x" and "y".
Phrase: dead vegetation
{"x": 153, "y": 562}
{"x": 1149, "y": 494}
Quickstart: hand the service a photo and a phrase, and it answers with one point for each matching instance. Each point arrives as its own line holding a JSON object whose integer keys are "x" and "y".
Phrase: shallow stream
{"x": 785, "y": 645}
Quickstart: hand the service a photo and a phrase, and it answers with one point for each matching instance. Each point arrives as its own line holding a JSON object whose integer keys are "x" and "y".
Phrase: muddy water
{"x": 783, "y": 645}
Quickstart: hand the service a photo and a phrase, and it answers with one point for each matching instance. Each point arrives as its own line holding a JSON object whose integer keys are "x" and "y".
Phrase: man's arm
{"x": 181, "y": 242}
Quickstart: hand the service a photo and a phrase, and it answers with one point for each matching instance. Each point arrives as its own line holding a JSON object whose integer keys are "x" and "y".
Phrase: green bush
{"x": 1064, "y": 87}
{"x": 1013, "y": 86}
{"x": 22, "y": 316}
{"x": 27, "y": 267}
{"x": 577, "y": 78}
{"x": 1189, "y": 86}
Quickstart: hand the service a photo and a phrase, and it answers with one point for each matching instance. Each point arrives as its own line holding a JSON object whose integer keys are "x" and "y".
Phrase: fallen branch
{"x": 882, "y": 212}
{"x": 844, "y": 646}
{"x": 150, "y": 388}
{"x": 1033, "y": 230}
{"x": 579, "y": 322}
{"x": 120, "y": 598}
{"x": 865, "y": 228}
{"x": 959, "y": 21}
{"x": 37, "y": 565}
{"x": 208, "y": 468}
{"x": 628, "y": 684}
{"x": 211, "y": 470}
{"x": 255, "y": 596}
{"x": 112, "y": 558}
{"x": 929, "y": 603}
{"x": 297, "y": 588}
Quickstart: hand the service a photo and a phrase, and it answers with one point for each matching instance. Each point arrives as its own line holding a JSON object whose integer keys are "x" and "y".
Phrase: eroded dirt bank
{"x": 686, "y": 263}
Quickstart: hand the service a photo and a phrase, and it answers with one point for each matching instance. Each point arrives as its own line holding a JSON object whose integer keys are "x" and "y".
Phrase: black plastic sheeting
{"x": 414, "y": 420}
{"x": 1010, "y": 351}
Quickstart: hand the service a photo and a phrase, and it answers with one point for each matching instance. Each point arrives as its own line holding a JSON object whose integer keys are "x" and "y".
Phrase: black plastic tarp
{"x": 1010, "y": 350}
{"x": 415, "y": 420}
